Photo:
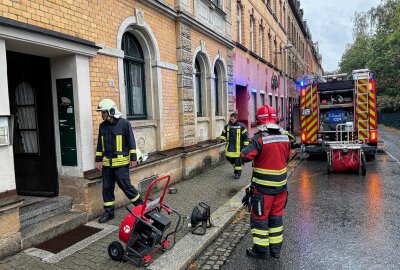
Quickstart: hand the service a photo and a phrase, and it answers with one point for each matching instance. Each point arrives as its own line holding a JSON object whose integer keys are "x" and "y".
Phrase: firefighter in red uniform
{"x": 116, "y": 152}
{"x": 236, "y": 136}
{"x": 267, "y": 194}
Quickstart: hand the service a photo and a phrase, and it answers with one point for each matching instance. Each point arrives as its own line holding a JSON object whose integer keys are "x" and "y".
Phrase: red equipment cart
{"x": 143, "y": 228}
{"x": 344, "y": 154}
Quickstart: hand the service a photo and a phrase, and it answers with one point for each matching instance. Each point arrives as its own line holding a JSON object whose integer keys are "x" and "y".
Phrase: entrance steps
{"x": 44, "y": 218}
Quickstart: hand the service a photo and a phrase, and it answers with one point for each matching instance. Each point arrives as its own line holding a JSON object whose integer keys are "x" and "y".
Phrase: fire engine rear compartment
{"x": 336, "y": 106}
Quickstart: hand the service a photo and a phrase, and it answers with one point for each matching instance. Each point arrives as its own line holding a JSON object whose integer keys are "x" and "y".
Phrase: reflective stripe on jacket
{"x": 116, "y": 144}
{"x": 236, "y": 136}
{"x": 270, "y": 153}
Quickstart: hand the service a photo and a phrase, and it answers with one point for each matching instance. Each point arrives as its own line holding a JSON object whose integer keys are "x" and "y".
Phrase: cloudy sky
{"x": 331, "y": 25}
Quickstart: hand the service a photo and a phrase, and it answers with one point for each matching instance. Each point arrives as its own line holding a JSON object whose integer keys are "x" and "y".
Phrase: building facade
{"x": 166, "y": 63}
{"x": 271, "y": 41}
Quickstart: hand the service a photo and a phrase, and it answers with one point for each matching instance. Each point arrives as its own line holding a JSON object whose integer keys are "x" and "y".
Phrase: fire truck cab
{"x": 339, "y": 99}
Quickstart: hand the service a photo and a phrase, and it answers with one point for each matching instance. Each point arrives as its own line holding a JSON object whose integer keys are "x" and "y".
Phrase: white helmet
{"x": 109, "y": 106}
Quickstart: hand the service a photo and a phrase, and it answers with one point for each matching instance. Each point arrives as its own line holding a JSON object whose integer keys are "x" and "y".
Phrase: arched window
{"x": 239, "y": 22}
{"x": 217, "y": 91}
{"x": 134, "y": 77}
{"x": 198, "y": 88}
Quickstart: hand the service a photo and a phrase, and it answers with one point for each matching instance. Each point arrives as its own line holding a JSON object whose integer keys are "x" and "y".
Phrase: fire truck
{"x": 339, "y": 99}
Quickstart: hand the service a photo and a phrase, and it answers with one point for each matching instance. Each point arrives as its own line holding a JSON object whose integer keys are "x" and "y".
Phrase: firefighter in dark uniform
{"x": 116, "y": 152}
{"x": 236, "y": 137}
{"x": 270, "y": 151}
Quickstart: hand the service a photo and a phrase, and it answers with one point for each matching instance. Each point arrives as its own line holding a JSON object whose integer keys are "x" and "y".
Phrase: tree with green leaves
{"x": 376, "y": 46}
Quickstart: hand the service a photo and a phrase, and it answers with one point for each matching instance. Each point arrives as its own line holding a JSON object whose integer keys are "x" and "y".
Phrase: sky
{"x": 331, "y": 25}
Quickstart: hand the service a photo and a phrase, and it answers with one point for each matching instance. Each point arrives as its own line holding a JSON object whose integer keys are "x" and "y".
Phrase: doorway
{"x": 242, "y": 105}
{"x": 29, "y": 85}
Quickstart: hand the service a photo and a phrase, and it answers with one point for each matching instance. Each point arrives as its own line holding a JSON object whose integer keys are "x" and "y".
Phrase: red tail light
{"x": 373, "y": 135}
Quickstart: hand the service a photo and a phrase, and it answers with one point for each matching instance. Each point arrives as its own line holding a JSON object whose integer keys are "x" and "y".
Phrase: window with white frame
{"x": 261, "y": 41}
{"x": 134, "y": 77}
{"x": 262, "y": 99}
{"x": 239, "y": 23}
{"x": 253, "y": 106}
{"x": 251, "y": 33}
{"x": 269, "y": 48}
{"x": 199, "y": 108}
{"x": 217, "y": 91}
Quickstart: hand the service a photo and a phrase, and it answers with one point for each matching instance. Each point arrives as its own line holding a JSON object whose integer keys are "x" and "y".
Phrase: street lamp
{"x": 288, "y": 46}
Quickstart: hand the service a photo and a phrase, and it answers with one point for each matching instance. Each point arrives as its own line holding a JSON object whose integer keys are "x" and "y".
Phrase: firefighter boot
{"x": 251, "y": 253}
{"x": 237, "y": 174}
{"x": 106, "y": 217}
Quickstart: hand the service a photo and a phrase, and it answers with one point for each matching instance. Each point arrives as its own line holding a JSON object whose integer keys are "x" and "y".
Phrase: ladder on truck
{"x": 361, "y": 78}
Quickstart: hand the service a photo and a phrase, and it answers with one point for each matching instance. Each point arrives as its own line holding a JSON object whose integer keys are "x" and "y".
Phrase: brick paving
{"x": 219, "y": 251}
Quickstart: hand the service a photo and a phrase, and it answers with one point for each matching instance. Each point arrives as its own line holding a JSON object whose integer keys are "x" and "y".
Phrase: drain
{"x": 65, "y": 240}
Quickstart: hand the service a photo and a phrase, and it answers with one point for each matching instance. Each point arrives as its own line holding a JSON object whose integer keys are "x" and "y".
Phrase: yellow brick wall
{"x": 171, "y": 109}
{"x": 101, "y": 69}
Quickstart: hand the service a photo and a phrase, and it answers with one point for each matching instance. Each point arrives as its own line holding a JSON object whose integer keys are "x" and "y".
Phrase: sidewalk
{"x": 215, "y": 187}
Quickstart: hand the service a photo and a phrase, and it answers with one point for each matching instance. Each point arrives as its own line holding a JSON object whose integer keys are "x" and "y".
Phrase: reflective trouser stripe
{"x": 136, "y": 198}
{"x": 238, "y": 168}
{"x": 261, "y": 241}
{"x": 109, "y": 203}
{"x": 276, "y": 239}
{"x": 259, "y": 232}
{"x": 276, "y": 230}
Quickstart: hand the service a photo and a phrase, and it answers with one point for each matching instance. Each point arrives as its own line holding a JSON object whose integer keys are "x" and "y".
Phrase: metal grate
{"x": 207, "y": 161}
{"x": 145, "y": 183}
{"x": 222, "y": 156}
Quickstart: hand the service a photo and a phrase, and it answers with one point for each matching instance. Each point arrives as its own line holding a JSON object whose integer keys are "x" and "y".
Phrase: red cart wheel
{"x": 116, "y": 251}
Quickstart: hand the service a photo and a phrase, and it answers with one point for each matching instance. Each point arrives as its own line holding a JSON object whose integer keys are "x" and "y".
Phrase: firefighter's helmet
{"x": 267, "y": 118}
{"x": 109, "y": 106}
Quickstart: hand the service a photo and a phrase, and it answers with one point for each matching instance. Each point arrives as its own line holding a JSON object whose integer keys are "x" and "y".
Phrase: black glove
{"x": 247, "y": 197}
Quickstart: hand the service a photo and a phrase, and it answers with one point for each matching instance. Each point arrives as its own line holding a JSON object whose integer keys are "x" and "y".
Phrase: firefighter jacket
{"x": 270, "y": 153}
{"x": 236, "y": 136}
{"x": 116, "y": 144}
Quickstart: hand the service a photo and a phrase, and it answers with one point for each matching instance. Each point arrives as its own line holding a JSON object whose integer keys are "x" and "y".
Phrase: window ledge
{"x": 203, "y": 119}
{"x": 143, "y": 123}
{"x": 219, "y": 117}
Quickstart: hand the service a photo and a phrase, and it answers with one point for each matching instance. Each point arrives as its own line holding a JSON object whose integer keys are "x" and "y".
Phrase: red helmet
{"x": 267, "y": 115}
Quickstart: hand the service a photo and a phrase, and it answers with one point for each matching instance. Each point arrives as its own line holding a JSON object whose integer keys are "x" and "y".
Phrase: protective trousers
{"x": 121, "y": 176}
{"x": 237, "y": 164}
{"x": 266, "y": 222}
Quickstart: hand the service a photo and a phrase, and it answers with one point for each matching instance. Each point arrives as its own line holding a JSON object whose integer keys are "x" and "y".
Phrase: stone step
{"x": 44, "y": 209}
{"x": 46, "y": 229}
